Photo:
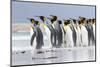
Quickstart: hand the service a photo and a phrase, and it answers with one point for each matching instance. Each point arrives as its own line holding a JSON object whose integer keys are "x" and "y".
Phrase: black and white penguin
{"x": 52, "y": 29}
{"x": 59, "y": 33}
{"x": 46, "y": 32}
{"x": 37, "y": 37}
{"x": 89, "y": 28}
{"x": 84, "y": 32}
{"x": 94, "y": 24}
{"x": 32, "y": 26}
{"x": 69, "y": 33}
{"x": 74, "y": 30}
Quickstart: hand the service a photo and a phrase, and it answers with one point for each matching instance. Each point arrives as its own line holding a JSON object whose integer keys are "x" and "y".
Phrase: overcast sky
{"x": 22, "y": 10}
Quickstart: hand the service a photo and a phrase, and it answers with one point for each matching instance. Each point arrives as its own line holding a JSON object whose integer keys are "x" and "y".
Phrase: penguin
{"x": 64, "y": 34}
{"x": 59, "y": 33}
{"x": 76, "y": 33}
{"x": 84, "y": 32}
{"x": 37, "y": 37}
{"x": 74, "y": 30}
{"x": 32, "y": 25}
{"x": 89, "y": 28}
{"x": 32, "y": 33}
{"x": 57, "y": 25}
{"x": 93, "y": 24}
{"x": 46, "y": 32}
{"x": 69, "y": 33}
{"x": 52, "y": 28}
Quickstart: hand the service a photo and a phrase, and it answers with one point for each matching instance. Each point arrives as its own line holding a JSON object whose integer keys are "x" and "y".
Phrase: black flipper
{"x": 39, "y": 39}
{"x": 53, "y": 35}
{"x": 32, "y": 38}
{"x": 74, "y": 35}
{"x": 90, "y": 34}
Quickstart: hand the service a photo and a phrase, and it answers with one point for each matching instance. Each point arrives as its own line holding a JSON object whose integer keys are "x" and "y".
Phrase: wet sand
{"x": 25, "y": 55}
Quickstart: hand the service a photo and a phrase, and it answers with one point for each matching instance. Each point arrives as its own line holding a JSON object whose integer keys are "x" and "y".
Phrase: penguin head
{"x": 66, "y": 22}
{"x": 89, "y": 21}
{"x": 42, "y": 18}
{"x": 79, "y": 22}
{"x": 74, "y": 21}
{"x": 54, "y": 18}
{"x": 36, "y": 22}
{"x": 93, "y": 20}
{"x": 31, "y": 20}
{"x": 82, "y": 18}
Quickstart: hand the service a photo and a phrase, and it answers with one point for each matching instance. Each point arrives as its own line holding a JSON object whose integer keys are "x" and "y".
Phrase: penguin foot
{"x": 39, "y": 52}
{"x": 23, "y": 52}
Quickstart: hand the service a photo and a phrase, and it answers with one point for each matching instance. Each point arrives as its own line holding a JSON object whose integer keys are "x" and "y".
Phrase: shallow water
{"x": 23, "y": 54}
{"x": 26, "y": 56}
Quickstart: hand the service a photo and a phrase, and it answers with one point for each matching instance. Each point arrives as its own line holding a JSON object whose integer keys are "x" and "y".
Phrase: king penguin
{"x": 59, "y": 33}
{"x": 74, "y": 30}
{"x": 68, "y": 36}
{"x": 78, "y": 33}
{"x": 53, "y": 31}
{"x": 93, "y": 24}
{"x": 37, "y": 37}
{"x": 89, "y": 28}
{"x": 84, "y": 32}
{"x": 32, "y": 26}
{"x": 46, "y": 32}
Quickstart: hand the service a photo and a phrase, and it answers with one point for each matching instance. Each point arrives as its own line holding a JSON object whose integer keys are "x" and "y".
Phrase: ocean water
{"x": 23, "y": 54}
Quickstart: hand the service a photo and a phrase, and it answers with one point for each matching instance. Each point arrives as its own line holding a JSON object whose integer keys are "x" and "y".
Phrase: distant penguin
{"x": 46, "y": 32}
{"x": 69, "y": 33}
{"x": 63, "y": 33}
{"x": 74, "y": 30}
{"x": 57, "y": 25}
{"x": 78, "y": 41}
{"x": 37, "y": 37}
{"x": 84, "y": 33}
{"x": 89, "y": 28}
{"x": 32, "y": 26}
{"x": 76, "y": 33}
{"x": 53, "y": 31}
{"x": 93, "y": 24}
{"x": 59, "y": 33}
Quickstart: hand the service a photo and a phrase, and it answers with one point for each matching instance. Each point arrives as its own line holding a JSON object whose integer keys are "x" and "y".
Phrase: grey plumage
{"x": 90, "y": 33}
{"x": 59, "y": 33}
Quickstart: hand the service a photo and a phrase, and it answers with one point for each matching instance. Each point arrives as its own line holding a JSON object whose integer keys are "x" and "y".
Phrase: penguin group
{"x": 51, "y": 32}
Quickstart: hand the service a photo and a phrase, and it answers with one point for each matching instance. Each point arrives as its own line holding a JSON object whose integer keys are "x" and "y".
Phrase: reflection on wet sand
{"x": 54, "y": 55}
